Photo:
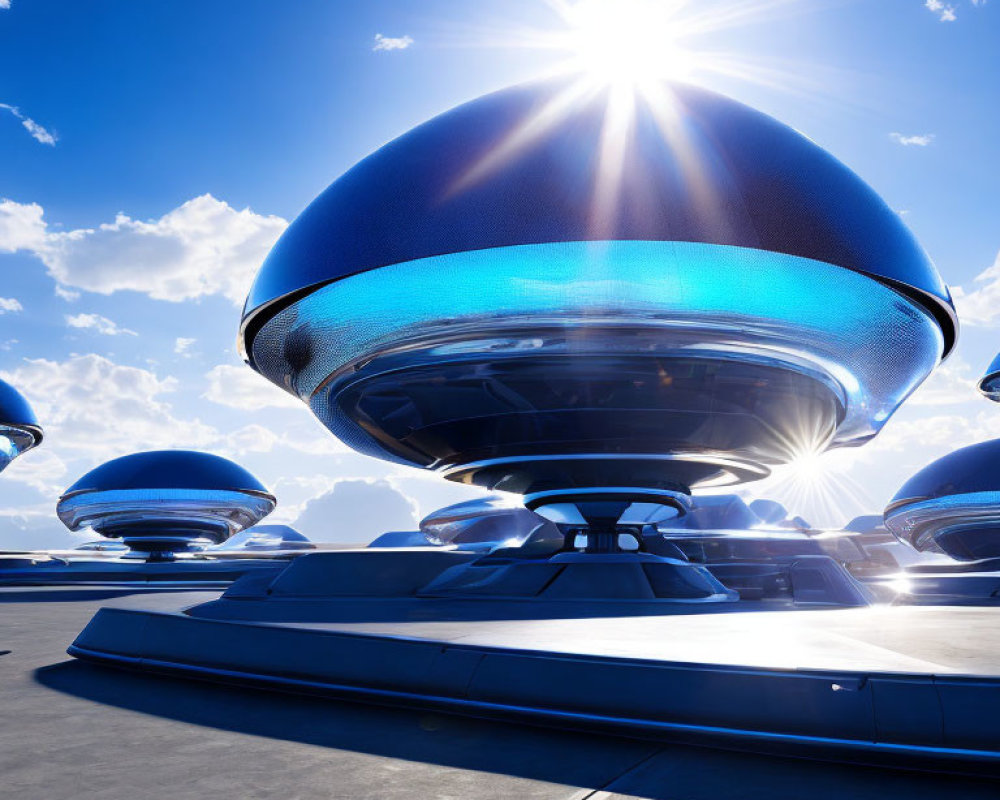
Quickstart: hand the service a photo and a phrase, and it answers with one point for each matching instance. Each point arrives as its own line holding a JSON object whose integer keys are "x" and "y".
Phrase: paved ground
{"x": 70, "y": 730}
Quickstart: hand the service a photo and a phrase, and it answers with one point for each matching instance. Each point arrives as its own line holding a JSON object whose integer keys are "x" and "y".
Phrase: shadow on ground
{"x": 633, "y": 769}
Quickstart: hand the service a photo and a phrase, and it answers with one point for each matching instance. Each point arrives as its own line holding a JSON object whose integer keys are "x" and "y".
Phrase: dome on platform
{"x": 527, "y": 294}
{"x": 166, "y": 500}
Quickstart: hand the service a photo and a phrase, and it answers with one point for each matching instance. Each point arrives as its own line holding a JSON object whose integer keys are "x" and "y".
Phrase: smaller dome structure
{"x": 952, "y": 505}
{"x": 267, "y": 537}
{"x": 166, "y": 501}
{"x": 490, "y": 520}
{"x": 989, "y": 384}
{"x": 19, "y": 429}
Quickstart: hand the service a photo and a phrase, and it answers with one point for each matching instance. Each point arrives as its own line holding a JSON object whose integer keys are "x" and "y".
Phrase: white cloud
{"x": 391, "y": 42}
{"x": 182, "y": 345}
{"x": 4, "y": 4}
{"x": 100, "y": 324}
{"x": 41, "y": 469}
{"x": 916, "y": 140}
{"x": 933, "y": 437}
{"x": 357, "y": 510}
{"x": 945, "y": 11}
{"x": 203, "y": 247}
{"x": 242, "y": 388}
{"x": 37, "y": 528}
{"x": 952, "y": 382}
{"x": 93, "y": 409}
{"x": 251, "y": 438}
{"x": 21, "y": 226}
{"x": 980, "y": 303}
{"x": 37, "y": 132}
{"x": 66, "y": 294}
{"x": 10, "y": 304}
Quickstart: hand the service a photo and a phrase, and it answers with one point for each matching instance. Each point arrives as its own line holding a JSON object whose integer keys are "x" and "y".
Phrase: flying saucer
{"x": 166, "y": 501}
{"x": 19, "y": 429}
{"x": 952, "y": 505}
{"x": 458, "y": 301}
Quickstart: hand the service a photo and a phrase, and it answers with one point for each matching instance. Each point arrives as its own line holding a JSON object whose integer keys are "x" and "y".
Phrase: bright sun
{"x": 625, "y": 41}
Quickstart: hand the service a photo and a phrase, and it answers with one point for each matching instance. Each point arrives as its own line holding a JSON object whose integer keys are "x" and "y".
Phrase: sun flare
{"x": 626, "y": 41}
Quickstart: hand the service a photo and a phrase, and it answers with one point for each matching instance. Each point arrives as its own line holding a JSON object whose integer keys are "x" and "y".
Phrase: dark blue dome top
{"x": 15, "y": 411}
{"x": 975, "y": 468}
{"x": 168, "y": 469}
{"x": 709, "y": 170}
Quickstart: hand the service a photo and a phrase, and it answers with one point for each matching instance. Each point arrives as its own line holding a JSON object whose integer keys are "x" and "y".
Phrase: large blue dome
{"x": 769, "y": 187}
{"x": 527, "y": 293}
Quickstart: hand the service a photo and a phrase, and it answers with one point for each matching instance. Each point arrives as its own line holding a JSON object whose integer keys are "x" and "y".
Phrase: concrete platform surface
{"x": 72, "y": 730}
{"x": 911, "y": 639}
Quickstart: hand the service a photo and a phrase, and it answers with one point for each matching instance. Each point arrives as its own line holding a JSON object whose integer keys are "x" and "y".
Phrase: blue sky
{"x": 150, "y": 154}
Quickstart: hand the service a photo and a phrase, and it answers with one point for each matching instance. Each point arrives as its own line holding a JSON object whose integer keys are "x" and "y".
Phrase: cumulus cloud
{"x": 952, "y": 382}
{"x": 203, "y": 247}
{"x": 36, "y": 131}
{"x": 916, "y": 140}
{"x": 4, "y": 4}
{"x": 979, "y": 304}
{"x": 242, "y": 388}
{"x": 357, "y": 510}
{"x": 94, "y": 409}
{"x": 945, "y": 11}
{"x": 38, "y": 529}
{"x": 391, "y": 42}
{"x": 21, "y": 226}
{"x": 10, "y": 304}
{"x": 100, "y": 324}
{"x": 40, "y": 469}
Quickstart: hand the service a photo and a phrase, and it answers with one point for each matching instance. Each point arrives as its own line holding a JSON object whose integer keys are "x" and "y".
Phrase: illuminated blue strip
{"x": 873, "y": 342}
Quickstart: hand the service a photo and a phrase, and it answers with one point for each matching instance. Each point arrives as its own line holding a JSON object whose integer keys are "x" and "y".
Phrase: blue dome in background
{"x": 529, "y": 295}
{"x": 19, "y": 429}
{"x": 168, "y": 469}
{"x": 952, "y": 505}
{"x": 166, "y": 500}
{"x": 989, "y": 384}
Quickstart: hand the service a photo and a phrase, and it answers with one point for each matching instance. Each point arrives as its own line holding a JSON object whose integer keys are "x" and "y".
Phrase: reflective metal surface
{"x": 728, "y": 175}
{"x": 746, "y": 300}
{"x": 952, "y": 505}
{"x": 166, "y": 501}
{"x": 989, "y": 384}
{"x": 19, "y": 429}
{"x": 490, "y": 521}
